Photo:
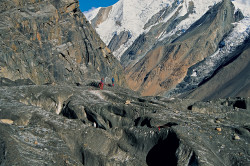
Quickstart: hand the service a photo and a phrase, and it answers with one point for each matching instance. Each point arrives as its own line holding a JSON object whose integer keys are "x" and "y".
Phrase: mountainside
{"x": 180, "y": 37}
{"x": 230, "y": 80}
{"x": 51, "y": 42}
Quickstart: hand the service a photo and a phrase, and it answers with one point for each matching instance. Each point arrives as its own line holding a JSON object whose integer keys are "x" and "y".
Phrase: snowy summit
{"x": 127, "y": 15}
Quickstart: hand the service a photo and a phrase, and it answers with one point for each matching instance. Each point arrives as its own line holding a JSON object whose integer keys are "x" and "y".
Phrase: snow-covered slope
{"x": 128, "y": 15}
{"x": 243, "y": 5}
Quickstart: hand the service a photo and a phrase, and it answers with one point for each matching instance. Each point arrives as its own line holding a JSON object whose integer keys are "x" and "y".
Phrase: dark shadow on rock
{"x": 193, "y": 161}
{"x": 93, "y": 118}
{"x": 190, "y": 107}
{"x": 141, "y": 100}
{"x": 94, "y": 84}
{"x": 83, "y": 156}
{"x": 2, "y": 152}
{"x": 247, "y": 128}
{"x": 78, "y": 84}
{"x": 69, "y": 113}
{"x": 110, "y": 85}
{"x": 143, "y": 121}
{"x": 240, "y": 104}
{"x": 137, "y": 120}
{"x": 146, "y": 122}
{"x": 170, "y": 124}
{"x": 163, "y": 153}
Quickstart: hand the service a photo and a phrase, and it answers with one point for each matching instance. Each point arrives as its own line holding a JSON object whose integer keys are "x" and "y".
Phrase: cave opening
{"x": 163, "y": 153}
{"x": 83, "y": 156}
{"x": 240, "y": 104}
{"x": 69, "y": 113}
{"x": 193, "y": 161}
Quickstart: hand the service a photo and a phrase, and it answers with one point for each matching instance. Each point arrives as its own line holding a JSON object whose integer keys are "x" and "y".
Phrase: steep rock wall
{"x": 51, "y": 42}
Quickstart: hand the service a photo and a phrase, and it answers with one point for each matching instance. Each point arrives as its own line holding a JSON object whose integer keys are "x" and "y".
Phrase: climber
{"x": 113, "y": 81}
{"x": 101, "y": 84}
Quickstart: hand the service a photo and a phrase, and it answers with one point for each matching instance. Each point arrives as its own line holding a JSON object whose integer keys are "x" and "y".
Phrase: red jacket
{"x": 101, "y": 84}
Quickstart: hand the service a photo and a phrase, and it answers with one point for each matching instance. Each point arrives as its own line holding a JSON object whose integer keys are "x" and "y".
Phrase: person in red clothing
{"x": 101, "y": 84}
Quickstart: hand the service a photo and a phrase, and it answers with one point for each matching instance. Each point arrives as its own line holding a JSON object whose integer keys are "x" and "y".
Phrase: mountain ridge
{"x": 173, "y": 24}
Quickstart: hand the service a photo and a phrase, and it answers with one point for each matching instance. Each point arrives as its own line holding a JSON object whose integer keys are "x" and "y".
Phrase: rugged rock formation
{"x": 148, "y": 40}
{"x": 166, "y": 64}
{"x": 101, "y": 16}
{"x": 66, "y": 125}
{"x": 118, "y": 40}
{"x": 51, "y": 41}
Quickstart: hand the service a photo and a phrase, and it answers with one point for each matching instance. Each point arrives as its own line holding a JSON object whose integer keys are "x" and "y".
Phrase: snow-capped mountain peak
{"x": 132, "y": 16}
{"x": 127, "y": 15}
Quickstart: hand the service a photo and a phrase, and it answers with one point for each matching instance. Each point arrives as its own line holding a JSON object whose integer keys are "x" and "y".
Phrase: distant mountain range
{"x": 171, "y": 47}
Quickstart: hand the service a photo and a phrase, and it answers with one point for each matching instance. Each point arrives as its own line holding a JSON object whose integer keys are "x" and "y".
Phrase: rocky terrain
{"x": 51, "y": 42}
{"x": 52, "y": 111}
{"x": 83, "y": 125}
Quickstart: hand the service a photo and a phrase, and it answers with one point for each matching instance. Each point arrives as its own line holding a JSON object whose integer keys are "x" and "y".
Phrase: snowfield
{"x": 127, "y": 15}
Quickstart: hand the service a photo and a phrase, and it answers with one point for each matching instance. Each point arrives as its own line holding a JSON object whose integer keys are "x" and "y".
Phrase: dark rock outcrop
{"x": 51, "y": 42}
{"x": 82, "y": 125}
{"x": 118, "y": 40}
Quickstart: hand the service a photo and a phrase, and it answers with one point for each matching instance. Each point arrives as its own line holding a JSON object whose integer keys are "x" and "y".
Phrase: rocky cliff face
{"x": 70, "y": 125}
{"x": 51, "y": 42}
